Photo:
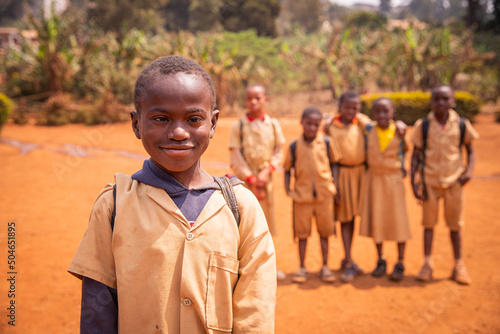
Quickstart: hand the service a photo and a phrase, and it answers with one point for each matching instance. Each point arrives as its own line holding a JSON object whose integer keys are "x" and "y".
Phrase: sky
{"x": 370, "y": 2}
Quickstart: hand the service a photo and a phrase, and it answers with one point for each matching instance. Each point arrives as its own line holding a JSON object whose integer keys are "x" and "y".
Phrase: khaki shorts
{"x": 302, "y": 218}
{"x": 453, "y": 199}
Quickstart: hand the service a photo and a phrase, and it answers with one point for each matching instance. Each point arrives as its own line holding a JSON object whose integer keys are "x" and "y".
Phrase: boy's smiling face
{"x": 255, "y": 99}
{"x": 310, "y": 126}
{"x": 349, "y": 108}
{"x": 383, "y": 112}
{"x": 175, "y": 122}
{"x": 442, "y": 100}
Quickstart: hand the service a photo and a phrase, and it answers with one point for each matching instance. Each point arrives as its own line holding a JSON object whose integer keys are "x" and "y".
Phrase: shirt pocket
{"x": 222, "y": 277}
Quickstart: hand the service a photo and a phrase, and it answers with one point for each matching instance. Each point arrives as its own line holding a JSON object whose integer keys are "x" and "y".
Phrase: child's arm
{"x": 471, "y": 163}
{"x": 254, "y": 296}
{"x": 99, "y": 313}
{"x": 335, "y": 172}
{"x": 287, "y": 182}
{"x": 276, "y": 158}
{"x": 240, "y": 167}
{"x": 415, "y": 160}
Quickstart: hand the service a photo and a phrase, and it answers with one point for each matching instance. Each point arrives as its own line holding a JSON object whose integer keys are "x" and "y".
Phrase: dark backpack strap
{"x": 293, "y": 151}
{"x": 228, "y": 192}
{"x": 401, "y": 153}
{"x": 113, "y": 215}
{"x": 461, "y": 125}
{"x": 327, "y": 143}
{"x": 241, "y": 138}
{"x": 425, "y": 131}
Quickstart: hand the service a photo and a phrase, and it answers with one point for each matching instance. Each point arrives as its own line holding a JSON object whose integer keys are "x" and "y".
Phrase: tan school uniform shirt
{"x": 171, "y": 278}
{"x": 443, "y": 161}
{"x": 312, "y": 170}
{"x": 256, "y": 144}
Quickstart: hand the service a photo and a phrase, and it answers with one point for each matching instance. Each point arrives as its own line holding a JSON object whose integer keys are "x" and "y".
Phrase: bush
{"x": 105, "y": 110}
{"x": 56, "y": 110}
{"x": 5, "y": 109}
{"x": 412, "y": 106}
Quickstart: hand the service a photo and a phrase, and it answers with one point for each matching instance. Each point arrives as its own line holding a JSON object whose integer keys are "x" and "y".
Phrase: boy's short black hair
{"x": 380, "y": 99}
{"x": 435, "y": 88}
{"x": 170, "y": 65}
{"x": 350, "y": 94}
{"x": 310, "y": 111}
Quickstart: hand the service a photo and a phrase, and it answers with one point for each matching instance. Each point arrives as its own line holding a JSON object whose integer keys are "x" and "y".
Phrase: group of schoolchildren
{"x": 172, "y": 249}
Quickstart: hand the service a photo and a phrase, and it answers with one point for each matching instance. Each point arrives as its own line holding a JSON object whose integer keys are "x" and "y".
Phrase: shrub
{"x": 56, "y": 110}
{"x": 105, "y": 110}
{"x": 5, "y": 109}
{"x": 412, "y": 106}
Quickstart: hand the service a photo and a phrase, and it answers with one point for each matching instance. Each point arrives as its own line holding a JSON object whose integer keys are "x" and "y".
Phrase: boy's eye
{"x": 195, "y": 119}
{"x": 160, "y": 118}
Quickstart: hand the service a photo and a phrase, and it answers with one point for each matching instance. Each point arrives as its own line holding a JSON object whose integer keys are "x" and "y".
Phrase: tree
{"x": 237, "y": 15}
{"x": 473, "y": 13}
{"x": 385, "y": 6}
{"x": 306, "y": 14}
{"x": 119, "y": 16}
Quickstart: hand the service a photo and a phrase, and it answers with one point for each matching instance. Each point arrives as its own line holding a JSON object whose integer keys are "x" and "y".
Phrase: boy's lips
{"x": 177, "y": 150}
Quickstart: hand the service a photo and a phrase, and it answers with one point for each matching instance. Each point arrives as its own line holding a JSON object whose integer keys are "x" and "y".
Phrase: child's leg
{"x": 428, "y": 237}
{"x": 381, "y": 267}
{"x": 380, "y": 250}
{"x": 347, "y": 229}
{"x": 399, "y": 268}
{"x": 456, "y": 242}
{"x": 324, "y": 249}
{"x": 302, "y": 252}
{"x": 425, "y": 273}
{"x": 401, "y": 251}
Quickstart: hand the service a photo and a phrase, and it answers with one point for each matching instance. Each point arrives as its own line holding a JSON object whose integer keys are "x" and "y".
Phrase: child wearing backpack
{"x": 384, "y": 216}
{"x": 255, "y": 148}
{"x": 438, "y": 141}
{"x": 310, "y": 158}
{"x": 164, "y": 250}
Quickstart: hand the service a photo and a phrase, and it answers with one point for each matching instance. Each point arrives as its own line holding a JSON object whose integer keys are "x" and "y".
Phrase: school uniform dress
{"x": 175, "y": 277}
{"x": 443, "y": 167}
{"x": 350, "y": 143}
{"x": 256, "y": 144}
{"x": 313, "y": 188}
{"x": 384, "y": 215}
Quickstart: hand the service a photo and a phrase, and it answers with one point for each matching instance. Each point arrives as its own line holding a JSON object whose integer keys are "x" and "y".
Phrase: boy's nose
{"x": 178, "y": 133}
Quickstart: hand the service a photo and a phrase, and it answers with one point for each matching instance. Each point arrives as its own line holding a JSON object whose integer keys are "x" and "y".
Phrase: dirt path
{"x": 48, "y": 190}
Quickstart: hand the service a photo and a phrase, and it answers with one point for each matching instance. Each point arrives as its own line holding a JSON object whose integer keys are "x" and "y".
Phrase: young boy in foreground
{"x": 175, "y": 255}
{"x": 311, "y": 158}
{"x": 444, "y": 175}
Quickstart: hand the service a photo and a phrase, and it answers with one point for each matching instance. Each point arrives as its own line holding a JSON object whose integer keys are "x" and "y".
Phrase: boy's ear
{"x": 214, "y": 119}
{"x": 135, "y": 124}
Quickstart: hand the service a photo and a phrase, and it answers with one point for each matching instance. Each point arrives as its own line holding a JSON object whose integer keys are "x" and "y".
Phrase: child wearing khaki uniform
{"x": 384, "y": 216}
{"x": 255, "y": 147}
{"x": 165, "y": 251}
{"x": 311, "y": 158}
{"x": 444, "y": 174}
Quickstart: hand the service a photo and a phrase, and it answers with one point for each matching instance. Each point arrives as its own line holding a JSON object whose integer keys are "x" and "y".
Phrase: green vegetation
{"x": 412, "y": 106}
{"x": 5, "y": 109}
{"x": 83, "y": 66}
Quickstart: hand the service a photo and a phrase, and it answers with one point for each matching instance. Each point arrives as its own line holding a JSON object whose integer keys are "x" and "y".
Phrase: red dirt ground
{"x": 49, "y": 194}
